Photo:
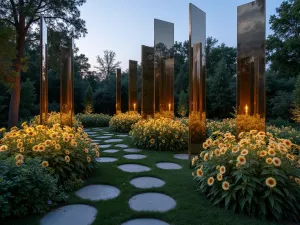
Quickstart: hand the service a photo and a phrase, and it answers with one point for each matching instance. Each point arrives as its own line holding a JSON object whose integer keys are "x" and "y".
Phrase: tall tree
{"x": 107, "y": 64}
{"x": 22, "y": 15}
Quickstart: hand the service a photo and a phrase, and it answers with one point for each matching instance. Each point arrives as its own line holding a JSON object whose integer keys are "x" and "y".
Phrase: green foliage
{"x": 28, "y": 96}
{"x": 182, "y": 108}
{"x": 27, "y": 189}
{"x": 88, "y": 97}
{"x": 123, "y": 122}
{"x": 94, "y": 120}
{"x": 72, "y": 184}
{"x": 296, "y": 101}
{"x": 281, "y": 104}
{"x": 107, "y": 64}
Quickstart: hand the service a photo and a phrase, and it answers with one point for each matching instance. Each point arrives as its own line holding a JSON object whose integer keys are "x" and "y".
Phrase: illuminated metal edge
{"x": 67, "y": 86}
{"x": 132, "y": 86}
{"x": 169, "y": 88}
{"x": 251, "y": 91}
{"x": 147, "y": 82}
{"x": 43, "y": 73}
{"x": 118, "y": 91}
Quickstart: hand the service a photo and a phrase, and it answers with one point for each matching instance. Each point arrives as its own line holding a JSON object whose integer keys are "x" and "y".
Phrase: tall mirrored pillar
{"x": 163, "y": 50}
{"x": 132, "y": 87}
{"x": 118, "y": 91}
{"x": 67, "y": 85}
{"x": 197, "y": 98}
{"x": 251, "y": 92}
{"x": 43, "y": 73}
{"x": 147, "y": 82}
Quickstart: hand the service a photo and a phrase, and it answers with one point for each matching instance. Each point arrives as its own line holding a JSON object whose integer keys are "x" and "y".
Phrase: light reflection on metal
{"x": 118, "y": 91}
{"x": 132, "y": 86}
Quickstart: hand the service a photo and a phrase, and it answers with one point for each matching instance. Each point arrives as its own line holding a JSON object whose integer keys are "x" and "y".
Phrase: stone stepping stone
{"x": 70, "y": 215}
{"x": 104, "y": 146}
{"x": 168, "y": 166}
{"x": 105, "y": 132}
{"x": 98, "y": 192}
{"x": 132, "y": 150}
{"x": 106, "y": 159}
{"x": 122, "y": 135}
{"x": 181, "y": 156}
{"x": 121, "y": 146}
{"x": 113, "y": 140}
{"x": 145, "y": 221}
{"x": 153, "y": 202}
{"x": 147, "y": 182}
{"x": 91, "y": 132}
{"x": 111, "y": 151}
{"x": 134, "y": 156}
{"x": 133, "y": 168}
{"x": 97, "y": 129}
{"x": 103, "y": 137}
{"x": 108, "y": 134}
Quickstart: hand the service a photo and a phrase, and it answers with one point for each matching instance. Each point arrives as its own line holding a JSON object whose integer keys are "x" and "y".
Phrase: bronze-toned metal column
{"x": 147, "y": 82}
{"x": 118, "y": 91}
{"x": 132, "y": 87}
{"x": 67, "y": 85}
{"x": 197, "y": 112}
{"x": 43, "y": 73}
{"x": 169, "y": 87}
{"x": 251, "y": 44}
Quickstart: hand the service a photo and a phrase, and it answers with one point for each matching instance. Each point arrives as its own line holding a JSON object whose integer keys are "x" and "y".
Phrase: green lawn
{"x": 192, "y": 208}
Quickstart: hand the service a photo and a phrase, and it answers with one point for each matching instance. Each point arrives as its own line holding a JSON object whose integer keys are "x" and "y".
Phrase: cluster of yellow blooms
{"x": 122, "y": 122}
{"x": 53, "y": 118}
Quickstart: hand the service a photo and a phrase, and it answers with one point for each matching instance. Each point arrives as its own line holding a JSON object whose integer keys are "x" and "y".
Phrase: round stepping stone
{"x": 122, "y": 135}
{"x": 134, "y": 156}
{"x": 154, "y": 202}
{"x": 104, "y": 146}
{"x": 168, "y": 166}
{"x": 132, "y": 150}
{"x": 91, "y": 132}
{"x": 107, "y": 134}
{"x": 145, "y": 221}
{"x": 147, "y": 182}
{"x": 106, "y": 159}
{"x": 133, "y": 168}
{"x": 111, "y": 151}
{"x": 98, "y": 192}
{"x": 70, "y": 215}
{"x": 121, "y": 146}
{"x": 113, "y": 140}
{"x": 103, "y": 137}
{"x": 181, "y": 156}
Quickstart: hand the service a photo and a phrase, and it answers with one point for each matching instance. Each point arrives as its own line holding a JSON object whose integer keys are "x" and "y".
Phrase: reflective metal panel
{"x": 169, "y": 88}
{"x": 147, "y": 82}
{"x": 163, "y": 50}
{"x": 43, "y": 73}
{"x": 251, "y": 93}
{"x": 67, "y": 85}
{"x": 132, "y": 87}
{"x": 197, "y": 112}
{"x": 118, "y": 91}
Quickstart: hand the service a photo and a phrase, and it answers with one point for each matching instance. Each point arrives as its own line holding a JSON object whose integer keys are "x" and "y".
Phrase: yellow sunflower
{"x": 269, "y": 161}
{"x": 241, "y": 160}
{"x": 19, "y": 157}
{"x": 225, "y": 185}
{"x": 271, "y": 182}
{"x": 199, "y": 173}
{"x": 19, "y": 162}
{"x": 290, "y": 157}
{"x": 276, "y": 161}
{"x": 244, "y": 152}
{"x": 67, "y": 158}
{"x": 271, "y": 152}
{"x": 210, "y": 181}
{"x": 45, "y": 164}
{"x": 219, "y": 177}
{"x": 222, "y": 169}
{"x": 89, "y": 159}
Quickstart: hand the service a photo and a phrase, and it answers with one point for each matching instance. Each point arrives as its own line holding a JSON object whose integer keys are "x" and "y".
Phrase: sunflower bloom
{"x": 244, "y": 152}
{"x": 271, "y": 182}
{"x": 19, "y": 162}
{"x": 45, "y": 164}
{"x": 225, "y": 185}
{"x": 241, "y": 160}
{"x": 210, "y": 181}
{"x": 199, "y": 173}
{"x": 67, "y": 158}
{"x": 19, "y": 157}
{"x": 290, "y": 157}
{"x": 276, "y": 161}
{"x": 269, "y": 161}
{"x": 222, "y": 169}
{"x": 219, "y": 177}
{"x": 89, "y": 159}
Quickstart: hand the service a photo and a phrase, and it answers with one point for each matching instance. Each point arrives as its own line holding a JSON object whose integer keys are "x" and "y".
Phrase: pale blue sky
{"x": 124, "y": 25}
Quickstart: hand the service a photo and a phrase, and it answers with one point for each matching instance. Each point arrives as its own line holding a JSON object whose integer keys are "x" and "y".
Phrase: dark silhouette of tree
{"x": 107, "y": 64}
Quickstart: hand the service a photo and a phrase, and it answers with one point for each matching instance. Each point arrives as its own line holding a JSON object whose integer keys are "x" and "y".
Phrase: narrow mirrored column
{"x": 197, "y": 112}
{"x": 132, "y": 87}
{"x": 118, "y": 91}
{"x": 163, "y": 50}
{"x": 147, "y": 82}
{"x": 67, "y": 85}
{"x": 251, "y": 92}
{"x": 43, "y": 73}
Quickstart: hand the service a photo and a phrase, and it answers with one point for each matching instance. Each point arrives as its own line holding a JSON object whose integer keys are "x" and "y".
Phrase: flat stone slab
{"x": 113, "y": 140}
{"x": 108, "y": 134}
{"x": 105, "y": 132}
{"x": 154, "y": 202}
{"x": 121, "y": 146}
{"x": 111, "y": 151}
{"x": 133, "y": 168}
{"x": 134, "y": 156}
{"x": 145, "y": 221}
{"x": 70, "y": 215}
{"x": 91, "y": 132}
{"x": 106, "y": 159}
{"x": 122, "y": 135}
{"x": 98, "y": 192}
{"x": 168, "y": 166}
{"x": 181, "y": 156}
{"x": 104, "y": 146}
{"x": 147, "y": 182}
{"x": 103, "y": 137}
{"x": 132, "y": 150}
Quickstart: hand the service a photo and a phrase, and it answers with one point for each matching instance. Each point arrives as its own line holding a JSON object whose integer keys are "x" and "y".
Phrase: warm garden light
{"x": 118, "y": 91}
{"x": 246, "y": 109}
{"x": 169, "y": 106}
{"x": 132, "y": 85}
{"x": 134, "y": 107}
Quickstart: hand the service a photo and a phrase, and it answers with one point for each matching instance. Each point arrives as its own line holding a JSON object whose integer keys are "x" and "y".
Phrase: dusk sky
{"x": 124, "y": 25}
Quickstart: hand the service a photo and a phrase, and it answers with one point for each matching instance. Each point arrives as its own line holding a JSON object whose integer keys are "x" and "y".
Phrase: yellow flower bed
{"x": 258, "y": 175}
{"x": 53, "y": 118}
{"x": 122, "y": 122}
{"x": 161, "y": 134}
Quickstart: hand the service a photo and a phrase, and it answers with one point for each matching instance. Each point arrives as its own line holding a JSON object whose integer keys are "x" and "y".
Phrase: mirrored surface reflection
{"x": 147, "y": 82}
{"x": 118, "y": 91}
{"x": 43, "y": 73}
{"x": 251, "y": 93}
{"x": 132, "y": 87}
{"x": 163, "y": 50}
{"x": 197, "y": 99}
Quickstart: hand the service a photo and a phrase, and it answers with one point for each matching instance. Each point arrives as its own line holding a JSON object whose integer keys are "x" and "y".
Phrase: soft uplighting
{"x": 169, "y": 106}
{"x": 134, "y": 106}
{"x": 246, "y": 109}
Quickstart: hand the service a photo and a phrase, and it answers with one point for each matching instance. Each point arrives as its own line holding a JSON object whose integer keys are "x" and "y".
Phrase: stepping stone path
{"x": 110, "y": 151}
{"x": 133, "y": 168}
{"x": 145, "y": 221}
{"x": 104, "y": 146}
{"x": 132, "y": 150}
{"x": 98, "y": 192}
{"x": 113, "y": 140}
{"x": 121, "y": 146}
{"x": 122, "y": 135}
{"x": 134, "y": 156}
{"x": 106, "y": 159}
{"x": 181, "y": 156}
{"x": 107, "y": 134}
{"x": 168, "y": 166}
{"x": 103, "y": 137}
{"x": 147, "y": 182}
{"x": 91, "y": 132}
{"x": 70, "y": 215}
{"x": 154, "y": 202}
